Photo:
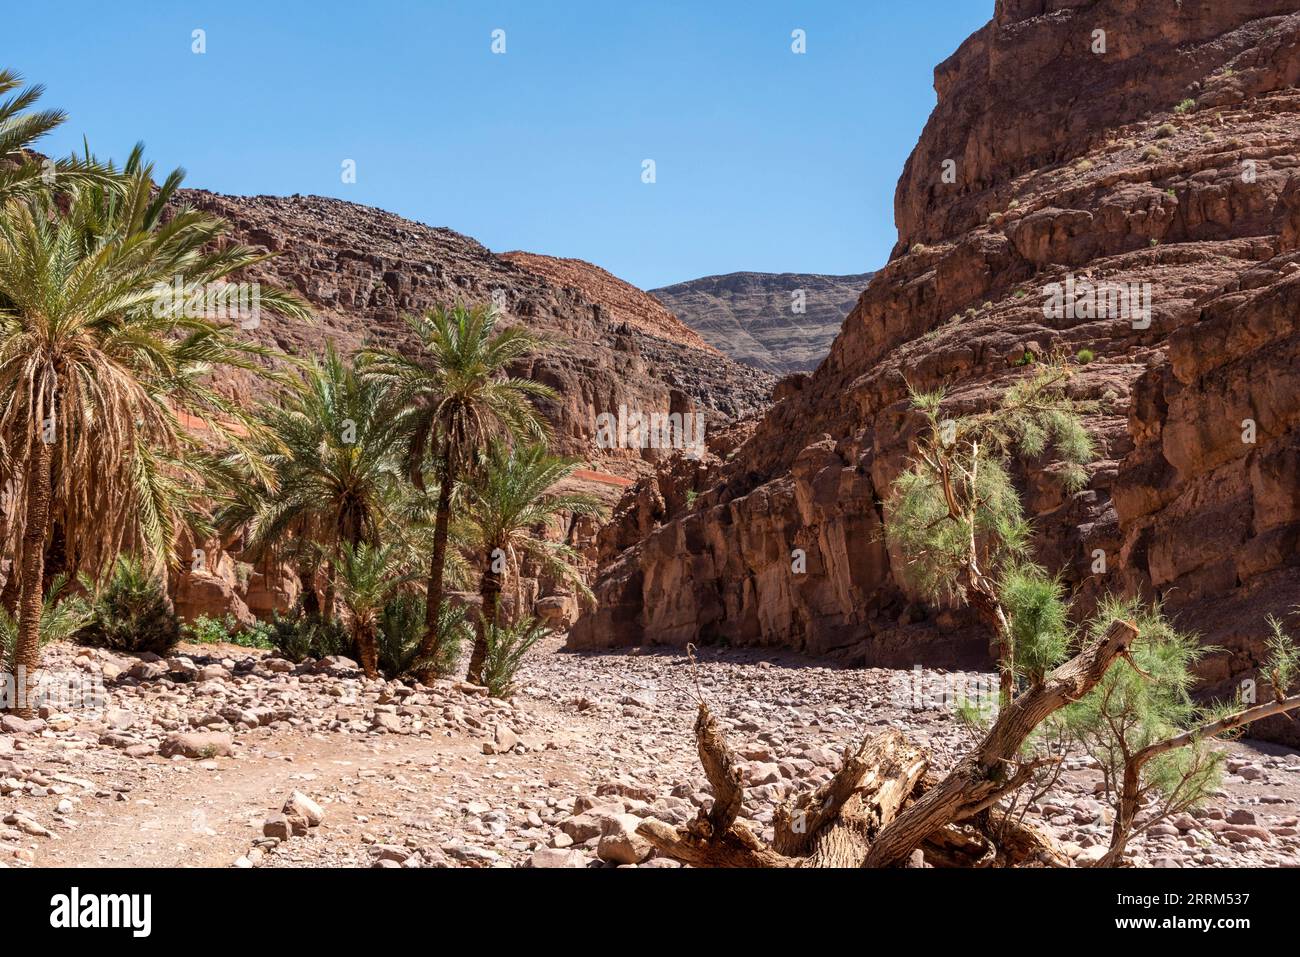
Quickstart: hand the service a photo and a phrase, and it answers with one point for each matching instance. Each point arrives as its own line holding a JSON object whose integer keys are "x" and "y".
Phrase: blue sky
{"x": 764, "y": 159}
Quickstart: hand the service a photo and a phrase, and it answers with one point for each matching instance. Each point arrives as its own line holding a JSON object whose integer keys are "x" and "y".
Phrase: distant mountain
{"x": 753, "y": 316}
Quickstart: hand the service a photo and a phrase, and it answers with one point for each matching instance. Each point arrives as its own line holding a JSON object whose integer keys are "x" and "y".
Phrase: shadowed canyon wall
{"x": 1110, "y": 143}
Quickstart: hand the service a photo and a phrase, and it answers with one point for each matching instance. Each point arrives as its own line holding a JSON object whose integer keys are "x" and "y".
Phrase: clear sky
{"x": 765, "y": 159}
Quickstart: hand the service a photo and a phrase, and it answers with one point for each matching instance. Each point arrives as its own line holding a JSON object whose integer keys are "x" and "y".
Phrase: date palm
{"x": 369, "y": 575}
{"x": 460, "y": 394}
{"x": 21, "y": 174}
{"x": 509, "y": 502}
{"x": 335, "y": 461}
{"x": 101, "y": 373}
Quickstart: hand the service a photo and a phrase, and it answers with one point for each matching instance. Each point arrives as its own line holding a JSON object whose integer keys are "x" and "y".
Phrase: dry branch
{"x": 983, "y": 773}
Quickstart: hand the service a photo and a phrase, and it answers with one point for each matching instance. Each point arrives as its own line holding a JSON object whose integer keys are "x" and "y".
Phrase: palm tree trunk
{"x": 490, "y": 590}
{"x": 367, "y": 650}
{"x": 429, "y": 645}
{"x": 27, "y": 651}
{"x": 310, "y": 600}
{"x": 331, "y": 579}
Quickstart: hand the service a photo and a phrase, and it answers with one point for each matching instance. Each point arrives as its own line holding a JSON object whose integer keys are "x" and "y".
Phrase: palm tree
{"x": 101, "y": 369}
{"x": 334, "y": 455}
{"x": 63, "y": 614}
{"x": 21, "y": 175}
{"x": 369, "y": 575}
{"x": 509, "y": 500}
{"x": 460, "y": 395}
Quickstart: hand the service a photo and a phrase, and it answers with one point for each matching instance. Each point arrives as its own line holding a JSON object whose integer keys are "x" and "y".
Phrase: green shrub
{"x": 401, "y": 629}
{"x": 62, "y": 616}
{"x": 1085, "y": 356}
{"x": 132, "y": 613}
{"x": 506, "y": 647}
{"x": 211, "y": 631}
{"x": 1166, "y": 131}
{"x": 298, "y": 636}
{"x": 1187, "y": 106}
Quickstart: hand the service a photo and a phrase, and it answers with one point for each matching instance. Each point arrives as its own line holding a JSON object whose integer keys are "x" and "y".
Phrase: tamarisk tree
{"x": 1117, "y": 687}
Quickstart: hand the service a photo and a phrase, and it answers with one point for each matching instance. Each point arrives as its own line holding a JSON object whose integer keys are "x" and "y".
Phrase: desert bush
{"x": 132, "y": 613}
{"x": 298, "y": 636}
{"x": 401, "y": 629}
{"x": 213, "y": 631}
{"x": 506, "y": 646}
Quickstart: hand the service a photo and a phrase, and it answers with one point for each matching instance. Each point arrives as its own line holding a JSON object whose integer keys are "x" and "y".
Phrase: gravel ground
{"x": 190, "y": 762}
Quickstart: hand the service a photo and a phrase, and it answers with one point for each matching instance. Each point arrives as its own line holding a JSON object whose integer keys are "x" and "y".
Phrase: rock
{"x": 1060, "y": 178}
{"x": 301, "y": 806}
{"x": 148, "y": 670}
{"x": 198, "y": 745}
{"x": 12, "y": 724}
{"x": 1241, "y": 833}
{"x": 386, "y": 721}
{"x": 589, "y": 824}
{"x": 619, "y": 842}
{"x": 1091, "y": 855}
{"x": 504, "y": 739}
{"x": 471, "y": 854}
{"x": 27, "y": 825}
{"x": 337, "y": 665}
{"x": 556, "y": 857}
{"x": 280, "y": 826}
{"x": 213, "y": 673}
{"x": 390, "y": 852}
{"x": 119, "y": 719}
{"x": 759, "y": 773}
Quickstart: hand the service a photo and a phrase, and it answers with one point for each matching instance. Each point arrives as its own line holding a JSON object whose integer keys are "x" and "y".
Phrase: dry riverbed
{"x": 220, "y": 756}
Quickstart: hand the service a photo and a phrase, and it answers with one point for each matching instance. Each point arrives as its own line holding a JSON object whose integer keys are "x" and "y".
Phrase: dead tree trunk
{"x": 879, "y": 808}
{"x": 992, "y": 770}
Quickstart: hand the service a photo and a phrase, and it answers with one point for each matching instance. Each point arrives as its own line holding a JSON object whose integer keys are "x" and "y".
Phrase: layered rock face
{"x": 783, "y": 322}
{"x": 1159, "y": 166}
{"x": 362, "y": 269}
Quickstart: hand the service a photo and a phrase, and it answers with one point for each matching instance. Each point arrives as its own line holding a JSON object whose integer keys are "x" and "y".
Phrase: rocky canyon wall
{"x": 1145, "y": 146}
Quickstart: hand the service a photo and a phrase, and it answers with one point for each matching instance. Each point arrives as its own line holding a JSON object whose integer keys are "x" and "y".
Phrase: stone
{"x": 301, "y": 806}
{"x": 119, "y": 719}
{"x": 198, "y": 745}
{"x": 504, "y": 739}
{"x": 12, "y": 724}
{"x": 619, "y": 842}
{"x": 556, "y": 857}
{"x": 278, "y": 826}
